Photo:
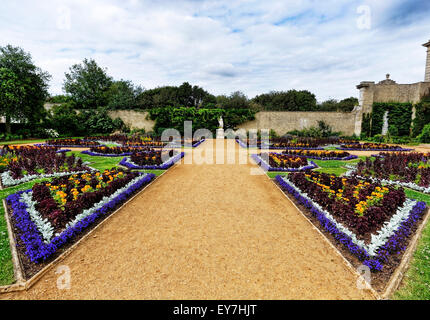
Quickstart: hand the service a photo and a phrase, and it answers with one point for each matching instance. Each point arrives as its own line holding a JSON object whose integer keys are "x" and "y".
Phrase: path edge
{"x": 22, "y": 284}
{"x": 348, "y": 264}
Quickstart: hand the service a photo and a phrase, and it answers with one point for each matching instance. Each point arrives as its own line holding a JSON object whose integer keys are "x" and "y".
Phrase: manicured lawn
{"x": 336, "y": 167}
{"x": 417, "y": 280}
{"x": 22, "y": 142}
{"x": 103, "y": 163}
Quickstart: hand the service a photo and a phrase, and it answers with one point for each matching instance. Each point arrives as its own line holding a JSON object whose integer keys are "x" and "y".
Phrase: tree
{"x": 23, "y": 87}
{"x": 88, "y": 85}
{"x": 237, "y": 100}
{"x": 291, "y": 100}
{"x": 123, "y": 95}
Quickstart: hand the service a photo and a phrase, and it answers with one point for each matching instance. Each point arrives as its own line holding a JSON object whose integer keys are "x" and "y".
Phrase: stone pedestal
{"x": 220, "y": 134}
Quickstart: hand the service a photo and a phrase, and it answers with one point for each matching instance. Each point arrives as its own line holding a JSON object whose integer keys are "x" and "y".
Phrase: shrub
{"x": 425, "y": 134}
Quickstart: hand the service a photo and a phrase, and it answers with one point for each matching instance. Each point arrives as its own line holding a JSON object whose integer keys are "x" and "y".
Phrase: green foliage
{"x": 65, "y": 120}
{"x": 399, "y": 118}
{"x": 61, "y": 98}
{"x": 237, "y": 100}
{"x": 345, "y": 105}
{"x": 291, "y": 100}
{"x": 424, "y": 137}
{"x": 182, "y": 96}
{"x": 365, "y": 125}
{"x": 88, "y": 85}
{"x": 422, "y": 117}
{"x": 99, "y": 122}
{"x": 174, "y": 118}
{"x": 23, "y": 87}
{"x": 68, "y": 122}
{"x": 123, "y": 95}
{"x": 323, "y": 130}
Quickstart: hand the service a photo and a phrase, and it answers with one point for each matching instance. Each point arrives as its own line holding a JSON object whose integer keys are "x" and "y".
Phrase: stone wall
{"x": 389, "y": 91}
{"x": 134, "y": 119}
{"x": 282, "y": 122}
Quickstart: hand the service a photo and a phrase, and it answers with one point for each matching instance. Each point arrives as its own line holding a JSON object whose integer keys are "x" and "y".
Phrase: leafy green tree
{"x": 182, "y": 96}
{"x": 291, "y": 100}
{"x": 23, "y": 87}
{"x": 88, "y": 85}
{"x": 237, "y": 100}
{"x": 123, "y": 95}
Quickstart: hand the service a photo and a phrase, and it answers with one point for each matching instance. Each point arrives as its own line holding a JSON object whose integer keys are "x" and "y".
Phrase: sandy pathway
{"x": 204, "y": 232}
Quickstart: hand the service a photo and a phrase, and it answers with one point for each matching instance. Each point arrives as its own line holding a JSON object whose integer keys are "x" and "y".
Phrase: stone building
{"x": 389, "y": 90}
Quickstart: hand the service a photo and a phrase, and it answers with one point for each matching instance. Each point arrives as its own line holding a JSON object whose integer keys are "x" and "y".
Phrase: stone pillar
{"x": 427, "y": 77}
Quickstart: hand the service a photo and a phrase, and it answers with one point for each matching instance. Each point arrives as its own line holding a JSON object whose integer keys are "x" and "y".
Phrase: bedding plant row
{"x": 51, "y": 214}
{"x": 411, "y": 170}
{"x": 21, "y": 164}
{"x": 372, "y": 221}
{"x": 54, "y": 214}
{"x": 372, "y": 147}
{"x": 282, "y": 162}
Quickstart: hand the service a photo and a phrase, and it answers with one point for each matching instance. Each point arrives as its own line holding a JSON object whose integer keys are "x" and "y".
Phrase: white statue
{"x": 221, "y": 123}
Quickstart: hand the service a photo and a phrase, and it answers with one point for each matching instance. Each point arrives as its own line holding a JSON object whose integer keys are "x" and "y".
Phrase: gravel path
{"x": 204, "y": 232}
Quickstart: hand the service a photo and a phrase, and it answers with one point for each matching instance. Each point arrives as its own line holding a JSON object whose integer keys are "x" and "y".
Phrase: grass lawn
{"x": 416, "y": 284}
{"x": 2, "y": 143}
{"x": 336, "y": 167}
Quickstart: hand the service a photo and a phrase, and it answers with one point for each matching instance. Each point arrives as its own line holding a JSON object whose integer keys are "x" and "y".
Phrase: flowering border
{"x": 350, "y": 157}
{"x": 394, "y": 150}
{"x": 64, "y": 146}
{"x": 395, "y": 243}
{"x": 8, "y": 181}
{"x": 36, "y": 249}
{"x": 126, "y": 162}
{"x": 195, "y": 145}
{"x": 243, "y": 145}
{"x": 108, "y": 155}
{"x": 267, "y": 167}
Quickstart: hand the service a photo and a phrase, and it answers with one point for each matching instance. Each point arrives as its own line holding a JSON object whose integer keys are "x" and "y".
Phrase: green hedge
{"x": 399, "y": 118}
{"x": 171, "y": 117}
{"x": 422, "y": 117}
{"x": 365, "y": 125}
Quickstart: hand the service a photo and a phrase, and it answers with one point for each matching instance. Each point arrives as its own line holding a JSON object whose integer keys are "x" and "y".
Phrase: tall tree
{"x": 123, "y": 95}
{"x": 88, "y": 85}
{"x": 23, "y": 87}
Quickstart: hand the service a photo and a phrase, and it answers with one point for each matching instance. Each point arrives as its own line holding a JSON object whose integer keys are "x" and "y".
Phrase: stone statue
{"x": 221, "y": 123}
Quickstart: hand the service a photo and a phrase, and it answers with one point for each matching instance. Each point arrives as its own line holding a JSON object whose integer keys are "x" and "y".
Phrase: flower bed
{"x": 278, "y": 145}
{"x": 115, "y": 151}
{"x": 151, "y": 161}
{"x": 71, "y": 143}
{"x": 371, "y": 147}
{"x": 281, "y": 162}
{"x": 50, "y": 215}
{"x": 321, "y": 154}
{"x": 28, "y": 163}
{"x": 411, "y": 170}
{"x": 372, "y": 221}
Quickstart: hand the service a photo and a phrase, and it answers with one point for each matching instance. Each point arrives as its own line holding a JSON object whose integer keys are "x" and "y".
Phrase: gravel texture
{"x": 204, "y": 232}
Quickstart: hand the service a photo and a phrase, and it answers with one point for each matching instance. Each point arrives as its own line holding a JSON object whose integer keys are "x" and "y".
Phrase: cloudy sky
{"x": 326, "y": 47}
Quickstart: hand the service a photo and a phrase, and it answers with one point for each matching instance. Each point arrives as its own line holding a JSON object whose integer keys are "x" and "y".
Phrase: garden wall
{"x": 133, "y": 119}
{"x": 282, "y": 122}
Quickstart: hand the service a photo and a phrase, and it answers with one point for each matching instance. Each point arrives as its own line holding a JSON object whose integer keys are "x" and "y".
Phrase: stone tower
{"x": 427, "y": 78}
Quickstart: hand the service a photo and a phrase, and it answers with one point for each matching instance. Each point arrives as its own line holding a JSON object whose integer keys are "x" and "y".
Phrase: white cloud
{"x": 224, "y": 46}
